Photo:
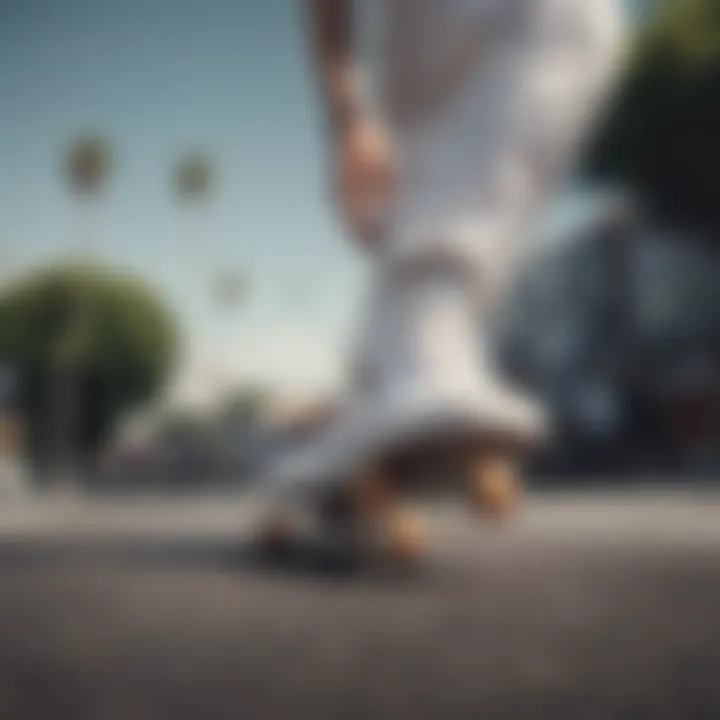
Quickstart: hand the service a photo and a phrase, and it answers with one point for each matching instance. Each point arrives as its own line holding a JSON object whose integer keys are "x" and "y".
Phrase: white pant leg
{"x": 476, "y": 169}
{"x": 479, "y": 166}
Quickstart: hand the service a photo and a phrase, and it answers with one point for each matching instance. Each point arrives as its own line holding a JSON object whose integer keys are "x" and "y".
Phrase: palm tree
{"x": 86, "y": 169}
{"x": 231, "y": 289}
{"x": 194, "y": 177}
{"x": 87, "y": 165}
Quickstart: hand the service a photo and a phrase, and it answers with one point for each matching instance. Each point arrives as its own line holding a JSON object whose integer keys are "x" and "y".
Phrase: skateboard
{"x": 370, "y": 513}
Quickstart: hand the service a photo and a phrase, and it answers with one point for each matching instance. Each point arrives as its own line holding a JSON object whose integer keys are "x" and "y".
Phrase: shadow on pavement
{"x": 309, "y": 557}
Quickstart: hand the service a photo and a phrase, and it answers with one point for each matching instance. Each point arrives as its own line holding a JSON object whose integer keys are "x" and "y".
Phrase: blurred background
{"x": 175, "y": 297}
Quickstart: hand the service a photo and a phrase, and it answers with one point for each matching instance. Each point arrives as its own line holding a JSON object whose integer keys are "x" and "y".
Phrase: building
{"x": 616, "y": 326}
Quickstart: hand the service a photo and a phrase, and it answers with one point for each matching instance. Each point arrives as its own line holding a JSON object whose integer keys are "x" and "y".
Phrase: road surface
{"x": 588, "y": 606}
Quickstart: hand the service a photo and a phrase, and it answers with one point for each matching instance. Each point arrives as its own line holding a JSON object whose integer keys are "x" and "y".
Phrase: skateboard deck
{"x": 369, "y": 508}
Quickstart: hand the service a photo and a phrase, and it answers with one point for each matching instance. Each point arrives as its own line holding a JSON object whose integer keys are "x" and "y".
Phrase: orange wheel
{"x": 495, "y": 487}
{"x": 406, "y": 536}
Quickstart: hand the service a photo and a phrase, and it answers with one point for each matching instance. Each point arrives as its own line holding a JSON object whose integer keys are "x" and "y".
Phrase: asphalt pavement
{"x": 595, "y": 605}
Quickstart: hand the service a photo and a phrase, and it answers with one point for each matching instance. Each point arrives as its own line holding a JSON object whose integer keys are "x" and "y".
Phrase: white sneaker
{"x": 424, "y": 372}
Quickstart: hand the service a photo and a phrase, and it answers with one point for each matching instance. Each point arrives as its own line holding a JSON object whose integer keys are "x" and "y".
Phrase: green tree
{"x": 107, "y": 331}
{"x": 661, "y": 136}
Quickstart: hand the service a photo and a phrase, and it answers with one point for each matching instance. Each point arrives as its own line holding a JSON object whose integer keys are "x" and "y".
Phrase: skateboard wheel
{"x": 495, "y": 488}
{"x": 406, "y": 536}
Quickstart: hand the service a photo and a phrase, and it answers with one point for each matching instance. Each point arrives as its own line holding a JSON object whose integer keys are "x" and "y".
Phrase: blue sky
{"x": 158, "y": 77}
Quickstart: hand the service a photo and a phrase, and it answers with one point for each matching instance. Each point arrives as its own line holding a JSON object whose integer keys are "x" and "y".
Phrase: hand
{"x": 365, "y": 177}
